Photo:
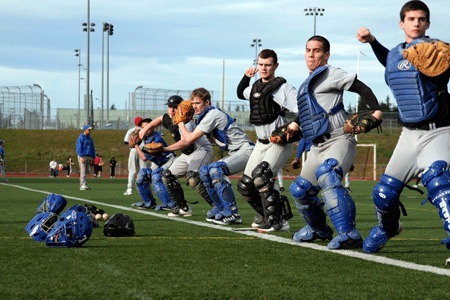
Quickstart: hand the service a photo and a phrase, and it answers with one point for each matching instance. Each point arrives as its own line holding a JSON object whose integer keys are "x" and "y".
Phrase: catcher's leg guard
{"x": 270, "y": 198}
{"x": 161, "y": 190}
{"x": 143, "y": 185}
{"x": 194, "y": 180}
{"x": 309, "y": 207}
{"x": 248, "y": 191}
{"x": 218, "y": 172}
{"x": 339, "y": 205}
{"x": 207, "y": 183}
{"x": 437, "y": 181}
{"x": 175, "y": 190}
{"x": 386, "y": 197}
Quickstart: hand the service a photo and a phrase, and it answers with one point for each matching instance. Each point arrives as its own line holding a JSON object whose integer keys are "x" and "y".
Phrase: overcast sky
{"x": 182, "y": 44}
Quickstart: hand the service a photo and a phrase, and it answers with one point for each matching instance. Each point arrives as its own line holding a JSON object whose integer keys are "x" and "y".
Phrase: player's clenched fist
{"x": 364, "y": 36}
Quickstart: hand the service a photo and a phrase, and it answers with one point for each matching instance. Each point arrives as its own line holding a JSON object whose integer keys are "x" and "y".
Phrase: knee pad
{"x": 204, "y": 175}
{"x": 308, "y": 204}
{"x": 338, "y": 202}
{"x": 262, "y": 176}
{"x": 386, "y": 197}
{"x": 247, "y": 189}
{"x": 218, "y": 170}
{"x": 144, "y": 176}
{"x": 195, "y": 181}
{"x": 437, "y": 181}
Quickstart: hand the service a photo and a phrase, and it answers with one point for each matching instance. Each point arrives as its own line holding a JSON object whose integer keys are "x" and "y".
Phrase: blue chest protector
{"x": 416, "y": 96}
{"x": 219, "y": 135}
{"x": 313, "y": 118}
{"x": 161, "y": 159}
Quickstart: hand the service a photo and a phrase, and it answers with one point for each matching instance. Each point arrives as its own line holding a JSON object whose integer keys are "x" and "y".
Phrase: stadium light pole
{"x": 110, "y": 30}
{"x": 88, "y": 28}
{"x": 78, "y": 54}
{"x": 256, "y": 43}
{"x": 314, "y": 11}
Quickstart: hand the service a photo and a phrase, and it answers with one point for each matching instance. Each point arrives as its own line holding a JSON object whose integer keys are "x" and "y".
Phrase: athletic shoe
{"x": 84, "y": 188}
{"x": 282, "y": 189}
{"x": 307, "y": 235}
{"x": 143, "y": 205}
{"x": 283, "y": 226}
{"x": 163, "y": 207}
{"x": 259, "y": 222}
{"x": 234, "y": 219}
{"x": 178, "y": 212}
{"x": 128, "y": 192}
{"x": 211, "y": 214}
{"x": 349, "y": 240}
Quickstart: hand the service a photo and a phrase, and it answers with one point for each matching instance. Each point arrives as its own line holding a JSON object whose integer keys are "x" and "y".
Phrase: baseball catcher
{"x": 184, "y": 112}
{"x": 361, "y": 122}
{"x": 431, "y": 59}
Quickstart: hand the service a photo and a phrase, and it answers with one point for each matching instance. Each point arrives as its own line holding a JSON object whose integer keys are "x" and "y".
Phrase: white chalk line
{"x": 269, "y": 237}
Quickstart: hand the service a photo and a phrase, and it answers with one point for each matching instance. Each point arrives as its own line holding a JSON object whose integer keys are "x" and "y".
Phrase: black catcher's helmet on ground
{"x": 119, "y": 225}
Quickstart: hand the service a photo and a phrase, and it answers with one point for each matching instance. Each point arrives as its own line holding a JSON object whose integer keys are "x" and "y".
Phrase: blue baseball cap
{"x": 85, "y": 127}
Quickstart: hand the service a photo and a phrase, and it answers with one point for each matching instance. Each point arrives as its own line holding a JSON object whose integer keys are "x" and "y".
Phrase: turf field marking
{"x": 368, "y": 257}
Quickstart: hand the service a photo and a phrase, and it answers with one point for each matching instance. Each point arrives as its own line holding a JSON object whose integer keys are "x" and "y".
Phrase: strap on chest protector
{"x": 219, "y": 135}
{"x": 313, "y": 118}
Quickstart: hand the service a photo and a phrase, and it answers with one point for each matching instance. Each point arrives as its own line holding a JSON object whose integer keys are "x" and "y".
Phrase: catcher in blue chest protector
{"x": 322, "y": 122}
{"x": 421, "y": 66}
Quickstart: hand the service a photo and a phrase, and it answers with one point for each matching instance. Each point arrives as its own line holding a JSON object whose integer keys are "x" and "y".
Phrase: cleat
{"x": 178, "y": 212}
{"x": 84, "y": 188}
{"x": 128, "y": 192}
{"x": 211, "y": 214}
{"x": 282, "y": 189}
{"x": 143, "y": 205}
{"x": 283, "y": 226}
{"x": 377, "y": 239}
{"x": 163, "y": 207}
{"x": 234, "y": 219}
{"x": 349, "y": 240}
{"x": 259, "y": 222}
{"x": 307, "y": 235}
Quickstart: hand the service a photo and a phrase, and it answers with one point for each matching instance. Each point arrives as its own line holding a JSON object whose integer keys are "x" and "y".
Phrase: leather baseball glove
{"x": 361, "y": 122}
{"x": 153, "y": 148}
{"x": 134, "y": 139}
{"x": 184, "y": 112}
{"x": 431, "y": 59}
{"x": 283, "y": 135}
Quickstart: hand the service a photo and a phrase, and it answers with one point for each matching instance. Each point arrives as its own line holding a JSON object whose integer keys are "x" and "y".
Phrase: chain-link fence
{"x": 24, "y": 107}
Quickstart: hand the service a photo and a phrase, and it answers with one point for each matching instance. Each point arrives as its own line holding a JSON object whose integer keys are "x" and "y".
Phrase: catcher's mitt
{"x": 134, "y": 139}
{"x": 283, "y": 135}
{"x": 296, "y": 163}
{"x": 431, "y": 59}
{"x": 361, "y": 122}
{"x": 184, "y": 112}
{"x": 153, "y": 148}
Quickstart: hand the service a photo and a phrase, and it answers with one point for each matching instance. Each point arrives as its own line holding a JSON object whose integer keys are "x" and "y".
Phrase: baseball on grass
{"x": 98, "y": 216}
{"x": 105, "y": 216}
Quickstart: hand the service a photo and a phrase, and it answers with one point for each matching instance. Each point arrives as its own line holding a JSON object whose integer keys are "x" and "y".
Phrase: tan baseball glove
{"x": 361, "y": 122}
{"x": 431, "y": 59}
{"x": 153, "y": 148}
{"x": 134, "y": 139}
{"x": 184, "y": 112}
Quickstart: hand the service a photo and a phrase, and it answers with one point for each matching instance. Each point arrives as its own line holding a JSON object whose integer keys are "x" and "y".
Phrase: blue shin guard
{"x": 437, "y": 181}
{"x": 161, "y": 191}
{"x": 143, "y": 185}
{"x": 218, "y": 172}
{"x": 386, "y": 197}
{"x": 339, "y": 205}
{"x": 207, "y": 182}
{"x": 309, "y": 207}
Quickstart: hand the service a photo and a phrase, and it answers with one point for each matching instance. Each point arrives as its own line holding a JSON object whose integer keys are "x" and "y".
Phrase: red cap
{"x": 138, "y": 121}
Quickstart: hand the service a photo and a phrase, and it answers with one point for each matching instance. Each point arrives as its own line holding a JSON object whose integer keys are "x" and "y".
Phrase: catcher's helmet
{"x": 52, "y": 203}
{"x": 73, "y": 228}
{"x": 174, "y": 100}
{"x": 40, "y": 225}
{"x": 119, "y": 225}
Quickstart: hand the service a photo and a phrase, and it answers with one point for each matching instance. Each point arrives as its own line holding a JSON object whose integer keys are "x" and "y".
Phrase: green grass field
{"x": 169, "y": 259}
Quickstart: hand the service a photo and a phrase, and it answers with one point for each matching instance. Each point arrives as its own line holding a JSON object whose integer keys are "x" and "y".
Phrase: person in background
{"x": 53, "y": 168}
{"x": 134, "y": 163}
{"x": 69, "y": 165}
{"x": 85, "y": 151}
{"x": 2, "y": 161}
{"x": 112, "y": 167}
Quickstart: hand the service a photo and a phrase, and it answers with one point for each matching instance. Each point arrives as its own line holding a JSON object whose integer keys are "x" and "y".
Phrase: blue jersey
{"x": 85, "y": 146}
